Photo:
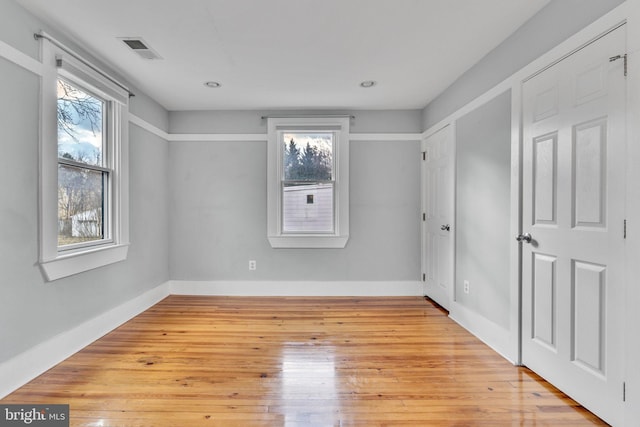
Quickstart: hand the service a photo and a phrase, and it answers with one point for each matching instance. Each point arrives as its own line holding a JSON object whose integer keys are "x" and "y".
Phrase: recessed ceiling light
{"x": 368, "y": 83}
{"x": 212, "y": 84}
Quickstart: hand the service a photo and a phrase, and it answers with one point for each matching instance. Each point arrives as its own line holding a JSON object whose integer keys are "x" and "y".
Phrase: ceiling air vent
{"x": 139, "y": 46}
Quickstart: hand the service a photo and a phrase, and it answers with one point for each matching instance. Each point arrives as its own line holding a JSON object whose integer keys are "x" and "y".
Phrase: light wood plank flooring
{"x": 244, "y": 361}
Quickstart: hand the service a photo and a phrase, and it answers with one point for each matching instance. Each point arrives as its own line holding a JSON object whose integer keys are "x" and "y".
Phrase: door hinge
{"x": 624, "y": 391}
{"x": 624, "y": 233}
{"x": 424, "y": 216}
{"x": 424, "y": 277}
{"x": 424, "y": 155}
{"x": 624, "y": 58}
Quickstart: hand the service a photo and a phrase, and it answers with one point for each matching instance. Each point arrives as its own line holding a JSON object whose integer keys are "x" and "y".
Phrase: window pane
{"x": 307, "y": 156}
{"x": 81, "y": 202}
{"x": 80, "y": 120}
{"x": 307, "y": 208}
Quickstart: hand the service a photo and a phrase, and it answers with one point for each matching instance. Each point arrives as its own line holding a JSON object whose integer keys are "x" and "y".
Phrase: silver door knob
{"x": 445, "y": 227}
{"x": 526, "y": 237}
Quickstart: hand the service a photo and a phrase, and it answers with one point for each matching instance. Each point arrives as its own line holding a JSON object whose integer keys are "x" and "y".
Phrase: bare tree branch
{"x": 85, "y": 107}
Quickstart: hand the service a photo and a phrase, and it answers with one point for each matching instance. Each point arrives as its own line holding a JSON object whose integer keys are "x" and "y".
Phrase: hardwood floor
{"x": 227, "y": 361}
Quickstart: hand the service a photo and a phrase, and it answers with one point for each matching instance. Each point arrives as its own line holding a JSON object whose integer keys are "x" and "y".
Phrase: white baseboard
{"x": 26, "y": 366}
{"x": 492, "y": 334}
{"x": 296, "y": 288}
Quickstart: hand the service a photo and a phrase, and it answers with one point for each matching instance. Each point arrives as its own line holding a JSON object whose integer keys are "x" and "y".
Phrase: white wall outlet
{"x": 252, "y": 264}
{"x": 466, "y": 286}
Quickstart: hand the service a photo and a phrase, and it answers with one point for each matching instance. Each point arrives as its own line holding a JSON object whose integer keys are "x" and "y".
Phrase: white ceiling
{"x": 290, "y": 54}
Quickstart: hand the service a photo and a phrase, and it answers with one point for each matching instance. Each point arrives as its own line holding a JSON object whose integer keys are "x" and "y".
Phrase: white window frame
{"x": 275, "y": 127}
{"x": 58, "y": 262}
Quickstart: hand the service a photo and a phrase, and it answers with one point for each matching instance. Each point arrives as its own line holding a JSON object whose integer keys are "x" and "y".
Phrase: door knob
{"x": 445, "y": 227}
{"x": 526, "y": 237}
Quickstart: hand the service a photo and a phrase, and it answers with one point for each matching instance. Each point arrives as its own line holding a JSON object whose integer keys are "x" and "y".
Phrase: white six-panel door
{"x": 437, "y": 230}
{"x": 573, "y": 224}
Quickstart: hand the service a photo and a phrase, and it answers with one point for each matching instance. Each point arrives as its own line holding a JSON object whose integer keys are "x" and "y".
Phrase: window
{"x": 308, "y": 182}
{"x": 83, "y": 178}
{"x": 83, "y": 187}
{"x": 307, "y": 166}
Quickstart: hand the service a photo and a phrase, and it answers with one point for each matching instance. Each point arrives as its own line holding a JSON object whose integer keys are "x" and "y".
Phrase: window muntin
{"x": 308, "y": 183}
{"x": 83, "y": 178}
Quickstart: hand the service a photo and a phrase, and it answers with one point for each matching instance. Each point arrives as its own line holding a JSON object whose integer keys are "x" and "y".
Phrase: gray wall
{"x": 32, "y": 310}
{"x": 556, "y": 22}
{"x": 149, "y": 110}
{"x": 218, "y": 205}
{"x": 483, "y": 175}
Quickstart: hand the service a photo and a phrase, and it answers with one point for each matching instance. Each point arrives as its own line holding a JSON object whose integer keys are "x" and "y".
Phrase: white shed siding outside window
{"x": 308, "y": 208}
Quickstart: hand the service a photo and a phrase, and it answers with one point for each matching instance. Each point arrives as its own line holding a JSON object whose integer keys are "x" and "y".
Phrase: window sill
{"x": 308, "y": 242}
{"x": 69, "y": 264}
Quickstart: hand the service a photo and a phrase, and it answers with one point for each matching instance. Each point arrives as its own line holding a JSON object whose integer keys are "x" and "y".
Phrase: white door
{"x": 437, "y": 230}
{"x": 573, "y": 210}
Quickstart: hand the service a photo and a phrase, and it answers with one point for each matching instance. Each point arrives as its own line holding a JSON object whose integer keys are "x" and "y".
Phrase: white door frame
{"x": 632, "y": 352}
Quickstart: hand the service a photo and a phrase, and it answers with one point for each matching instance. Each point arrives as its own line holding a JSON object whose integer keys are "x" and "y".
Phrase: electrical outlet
{"x": 252, "y": 264}
{"x": 466, "y": 286}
